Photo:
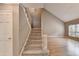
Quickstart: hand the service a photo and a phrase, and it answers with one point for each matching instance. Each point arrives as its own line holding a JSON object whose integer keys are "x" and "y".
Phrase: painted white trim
{"x": 25, "y": 43}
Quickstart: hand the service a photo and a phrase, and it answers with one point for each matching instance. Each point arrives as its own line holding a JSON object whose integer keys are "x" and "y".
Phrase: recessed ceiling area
{"x": 64, "y": 11}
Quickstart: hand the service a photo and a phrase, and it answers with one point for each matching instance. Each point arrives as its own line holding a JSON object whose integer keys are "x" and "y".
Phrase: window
{"x": 77, "y": 30}
{"x": 74, "y": 30}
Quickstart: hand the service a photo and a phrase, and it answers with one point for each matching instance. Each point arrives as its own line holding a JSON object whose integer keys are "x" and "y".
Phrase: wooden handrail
{"x": 26, "y": 15}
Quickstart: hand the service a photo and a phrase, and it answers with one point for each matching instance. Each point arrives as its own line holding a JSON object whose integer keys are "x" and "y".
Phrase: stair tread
{"x": 35, "y": 35}
{"x": 32, "y": 51}
{"x": 34, "y": 43}
{"x": 32, "y": 48}
{"x": 38, "y": 40}
{"x": 36, "y": 31}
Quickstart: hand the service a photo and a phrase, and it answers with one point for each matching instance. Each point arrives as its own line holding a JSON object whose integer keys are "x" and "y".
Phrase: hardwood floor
{"x": 63, "y": 47}
{"x": 73, "y": 47}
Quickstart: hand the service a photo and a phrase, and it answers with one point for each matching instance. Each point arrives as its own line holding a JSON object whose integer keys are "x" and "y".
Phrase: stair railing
{"x": 27, "y": 19}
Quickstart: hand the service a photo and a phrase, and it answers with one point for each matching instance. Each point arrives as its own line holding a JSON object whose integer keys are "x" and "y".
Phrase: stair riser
{"x": 36, "y": 31}
{"x": 35, "y": 43}
{"x": 26, "y": 48}
{"x": 32, "y": 54}
{"x": 32, "y": 48}
{"x": 35, "y": 34}
{"x": 39, "y": 48}
{"x": 35, "y": 37}
{"x": 34, "y": 40}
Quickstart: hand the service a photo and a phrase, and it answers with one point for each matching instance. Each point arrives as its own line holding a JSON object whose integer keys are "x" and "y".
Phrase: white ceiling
{"x": 33, "y": 5}
{"x": 65, "y": 12}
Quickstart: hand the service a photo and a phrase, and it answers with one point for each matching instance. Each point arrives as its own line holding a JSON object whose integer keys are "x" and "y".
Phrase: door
{"x": 6, "y": 32}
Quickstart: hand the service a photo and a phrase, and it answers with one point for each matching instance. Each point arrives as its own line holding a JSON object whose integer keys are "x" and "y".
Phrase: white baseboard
{"x": 24, "y": 44}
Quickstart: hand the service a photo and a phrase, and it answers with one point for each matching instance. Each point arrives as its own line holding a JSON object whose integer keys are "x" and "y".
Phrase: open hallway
{"x": 42, "y": 29}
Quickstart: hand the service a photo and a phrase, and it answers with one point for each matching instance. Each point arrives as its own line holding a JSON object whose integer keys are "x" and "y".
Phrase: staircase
{"x": 34, "y": 44}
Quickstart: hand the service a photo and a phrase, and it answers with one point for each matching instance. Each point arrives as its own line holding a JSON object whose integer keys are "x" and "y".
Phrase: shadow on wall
{"x": 36, "y": 17}
{"x": 51, "y": 25}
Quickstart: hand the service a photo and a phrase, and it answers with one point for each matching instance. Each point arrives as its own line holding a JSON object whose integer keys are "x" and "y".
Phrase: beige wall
{"x": 21, "y": 28}
{"x": 36, "y": 21}
{"x": 51, "y": 25}
{"x": 15, "y": 9}
{"x": 36, "y": 17}
{"x": 4, "y": 6}
{"x": 15, "y": 29}
{"x": 29, "y": 15}
{"x": 24, "y": 27}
